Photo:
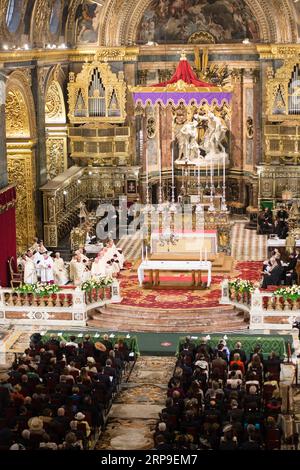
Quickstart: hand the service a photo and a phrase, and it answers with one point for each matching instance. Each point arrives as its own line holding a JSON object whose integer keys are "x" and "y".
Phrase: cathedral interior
{"x": 166, "y": 133}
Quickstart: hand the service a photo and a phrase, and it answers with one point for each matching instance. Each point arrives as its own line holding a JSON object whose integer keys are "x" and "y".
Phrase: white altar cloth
{"x": 174, "y": 266}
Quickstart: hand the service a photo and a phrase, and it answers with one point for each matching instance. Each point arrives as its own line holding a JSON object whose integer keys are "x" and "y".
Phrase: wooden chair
{"x": 15, "y": 275}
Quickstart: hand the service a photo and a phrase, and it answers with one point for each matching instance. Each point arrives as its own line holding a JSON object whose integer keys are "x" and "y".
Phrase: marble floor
{"x": 134, "y": 414}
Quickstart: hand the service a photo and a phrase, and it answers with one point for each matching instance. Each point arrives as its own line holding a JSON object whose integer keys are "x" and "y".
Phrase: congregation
{"x": 37, "y": 264}
{"x": 221, "y": 400}
{"x": 57, "y": 394}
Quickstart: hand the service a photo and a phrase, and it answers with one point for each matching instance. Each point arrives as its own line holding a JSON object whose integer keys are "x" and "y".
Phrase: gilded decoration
{"x": 55, "y": 149}
{"x": 17, "y": 121}
{"x": 54, "y": 107}
{"x": 97, "y": 94}
{"x": 20, "y": 173}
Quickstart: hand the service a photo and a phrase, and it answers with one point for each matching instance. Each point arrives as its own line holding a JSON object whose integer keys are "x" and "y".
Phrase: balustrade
{"x": 266, "y": 310}
{"x": 68, "y": 306}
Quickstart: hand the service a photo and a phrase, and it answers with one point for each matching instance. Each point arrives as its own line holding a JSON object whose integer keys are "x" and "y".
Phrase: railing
{"x": 265, "y": 310}
{"x": 67, "y": 307}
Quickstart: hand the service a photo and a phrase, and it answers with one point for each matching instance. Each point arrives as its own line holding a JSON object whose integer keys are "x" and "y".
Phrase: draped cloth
{"x": 184, "y": 72}
{"x": 7, "y": 232}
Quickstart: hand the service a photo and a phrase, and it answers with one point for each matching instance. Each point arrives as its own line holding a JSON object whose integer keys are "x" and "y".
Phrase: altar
{"x": 202, "y": 244}
{"x": 195, "y": 268}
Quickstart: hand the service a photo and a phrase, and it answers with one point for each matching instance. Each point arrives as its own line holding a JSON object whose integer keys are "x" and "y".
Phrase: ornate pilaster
{"x": 39, "y": 82}
{"x": 3, "y": 156}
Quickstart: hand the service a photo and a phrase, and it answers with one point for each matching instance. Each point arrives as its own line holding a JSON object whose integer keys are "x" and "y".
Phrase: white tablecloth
{"x": 174, "y": 266}
{"x": 279, "y": 243}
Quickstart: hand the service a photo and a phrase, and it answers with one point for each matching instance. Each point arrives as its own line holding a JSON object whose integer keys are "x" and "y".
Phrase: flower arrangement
{"x": 288, "y": 292}
{"x": 96, "y": 283}
{"x": 240, "y": 285}
{"x": 40, "y": 289}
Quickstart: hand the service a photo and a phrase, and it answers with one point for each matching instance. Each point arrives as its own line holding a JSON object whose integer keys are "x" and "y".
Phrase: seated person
{"x": 281, "y": 229}
{"x": 274, "y": 276}
{"x": 265, "y": 221}
{"x": 289, "y": 270}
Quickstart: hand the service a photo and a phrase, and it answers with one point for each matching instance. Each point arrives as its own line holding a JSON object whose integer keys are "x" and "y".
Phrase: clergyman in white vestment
{"x": 59, "y": 270}
{"x": 30, "y": 276}
{"x": 46, "y": 265}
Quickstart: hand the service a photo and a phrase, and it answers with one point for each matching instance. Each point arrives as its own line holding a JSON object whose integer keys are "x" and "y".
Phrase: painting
{"x": 88, "y": 20}
{"x": 176, "y": 21}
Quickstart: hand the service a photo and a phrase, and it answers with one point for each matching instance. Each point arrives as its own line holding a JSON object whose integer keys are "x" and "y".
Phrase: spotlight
{"x": 26, "y": 47}
{"x": 65, "y": 192}
{"x": 79, "y": 181}
{"x": 5, "y": 47}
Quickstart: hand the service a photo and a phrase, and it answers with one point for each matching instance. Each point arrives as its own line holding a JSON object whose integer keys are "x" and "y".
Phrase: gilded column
{"x": 3, "y": 155}
{"x": 39, "y": 79}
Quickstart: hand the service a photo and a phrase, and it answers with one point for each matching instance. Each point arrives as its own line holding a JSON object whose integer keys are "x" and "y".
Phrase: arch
{"x": 276, "y": 20}
{"x": 21, "y": 134}
{"x": 55, "y": 109}
{"x": 55, "y": 121}
{"x": 12, "y": 19}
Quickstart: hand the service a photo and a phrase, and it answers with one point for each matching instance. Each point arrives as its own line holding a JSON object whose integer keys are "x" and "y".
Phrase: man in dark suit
{"x": 273, "y": 278}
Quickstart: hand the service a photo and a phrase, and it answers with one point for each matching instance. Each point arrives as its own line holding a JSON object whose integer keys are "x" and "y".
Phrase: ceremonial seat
{"x": 15, "y": 275}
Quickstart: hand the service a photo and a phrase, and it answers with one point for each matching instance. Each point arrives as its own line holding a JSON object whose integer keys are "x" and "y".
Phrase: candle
{"x": 142, "y": 251}
{"x": 205, "y": 254}
{"x": 201, "y": 252}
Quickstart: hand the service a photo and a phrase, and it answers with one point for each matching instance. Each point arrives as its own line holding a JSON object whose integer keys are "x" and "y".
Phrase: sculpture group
{"x": 211, "y": 145}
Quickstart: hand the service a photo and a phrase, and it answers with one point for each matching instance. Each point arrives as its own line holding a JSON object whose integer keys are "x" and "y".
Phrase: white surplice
{"x": 46, "y": 265}
{"x": 30, "y": 276}
{"x": 98, "y": 268}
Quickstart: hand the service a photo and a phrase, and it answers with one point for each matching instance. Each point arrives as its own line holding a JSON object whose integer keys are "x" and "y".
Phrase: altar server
{"x": 46, "y": 265}
{"x": 59, "y": 270}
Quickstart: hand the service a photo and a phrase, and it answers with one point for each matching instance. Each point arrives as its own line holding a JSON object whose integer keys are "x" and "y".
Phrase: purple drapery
{"x": 187, "y": 98}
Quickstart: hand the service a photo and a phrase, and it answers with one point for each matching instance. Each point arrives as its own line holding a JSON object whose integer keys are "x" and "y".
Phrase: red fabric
{"x": 7, "y": 233}
{"x": 184, "y": 72}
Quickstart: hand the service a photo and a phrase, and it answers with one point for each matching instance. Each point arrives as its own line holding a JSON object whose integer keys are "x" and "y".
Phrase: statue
{"x": 214, "y": 136}
{"x": 83, "y": 213}
{"x": 186, "y": 136}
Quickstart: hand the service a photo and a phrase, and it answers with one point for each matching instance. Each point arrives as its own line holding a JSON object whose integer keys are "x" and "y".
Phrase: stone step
{"x": 171, "y": 326}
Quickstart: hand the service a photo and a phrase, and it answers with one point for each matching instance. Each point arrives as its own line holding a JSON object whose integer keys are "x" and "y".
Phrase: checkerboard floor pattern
{"x": 246, "y": 244}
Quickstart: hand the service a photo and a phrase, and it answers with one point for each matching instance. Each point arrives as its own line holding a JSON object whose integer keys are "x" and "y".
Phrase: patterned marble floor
{"x": 134, "y": 414}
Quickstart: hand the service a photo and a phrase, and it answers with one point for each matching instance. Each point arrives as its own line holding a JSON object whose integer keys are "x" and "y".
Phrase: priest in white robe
{"x": 47, "y": 275}
{"x": 77, "y": 269}
{"x": 59, "y": 270}
{"x": 98, "y": 266}
{"x": 30, "y": 276}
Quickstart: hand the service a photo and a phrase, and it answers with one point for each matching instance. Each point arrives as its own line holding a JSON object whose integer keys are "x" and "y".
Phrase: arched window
{"x": 13, "y": 15}
{"x": 55, "y": 16}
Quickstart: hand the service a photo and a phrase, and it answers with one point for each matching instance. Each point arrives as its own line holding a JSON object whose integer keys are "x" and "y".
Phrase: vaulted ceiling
{"x": 117, "y": 22}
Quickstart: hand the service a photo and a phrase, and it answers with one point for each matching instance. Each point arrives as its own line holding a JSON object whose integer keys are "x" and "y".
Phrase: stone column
{"x": 3, "y": 154}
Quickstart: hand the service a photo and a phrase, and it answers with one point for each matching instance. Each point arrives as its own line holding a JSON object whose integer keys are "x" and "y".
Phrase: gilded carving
{"x": 20, "y": 173}
{"x": 55, "y": 157}
{"x": 53, "y": 106}
{"x": 17, "y": 122}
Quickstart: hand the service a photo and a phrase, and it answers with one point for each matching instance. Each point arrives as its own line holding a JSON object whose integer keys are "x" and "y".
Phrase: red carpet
{"x": 134, "y": 295}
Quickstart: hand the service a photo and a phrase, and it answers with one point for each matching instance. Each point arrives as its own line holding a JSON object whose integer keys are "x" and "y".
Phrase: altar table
{"x": 154, "y": 267}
